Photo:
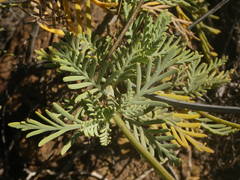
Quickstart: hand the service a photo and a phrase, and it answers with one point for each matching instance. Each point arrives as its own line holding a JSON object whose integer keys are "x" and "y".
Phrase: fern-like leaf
{"x": 202, "y": 76}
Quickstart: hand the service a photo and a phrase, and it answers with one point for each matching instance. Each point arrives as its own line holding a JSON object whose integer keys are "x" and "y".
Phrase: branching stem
{"x": 163, "y": 172}
{"x": 219, "y": 120}
{"x": 130, "y": 21}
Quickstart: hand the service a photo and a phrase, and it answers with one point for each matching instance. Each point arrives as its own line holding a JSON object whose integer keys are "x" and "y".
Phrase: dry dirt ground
{"x": 25, "y": 87}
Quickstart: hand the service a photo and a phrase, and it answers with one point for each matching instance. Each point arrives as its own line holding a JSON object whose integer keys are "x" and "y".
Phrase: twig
{"x": 120, "y": 37}
{"x": 119, "y": 7}
{"x": 190, "y": 162}
{"x": 33, "y": 36}
{"x": 145, "y": 174}
{"x": 98, "y": 176}
{"x": 132, "y": 18}
{"x": 213, "y": 10}
{"x": 30, "y": 173}
{"x": 173, "y": 172}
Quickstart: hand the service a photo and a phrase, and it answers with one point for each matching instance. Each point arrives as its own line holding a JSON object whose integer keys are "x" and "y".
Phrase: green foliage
{"x": 98, "y": 126}
{"x": 153, "y": 139}
{"x": 217, "y": 128}
{"x": 201, "y": 76}
{"x": 148, "y": 61}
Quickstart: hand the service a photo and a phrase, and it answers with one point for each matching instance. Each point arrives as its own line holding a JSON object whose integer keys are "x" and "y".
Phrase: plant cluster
{"x": 110, "y": 91}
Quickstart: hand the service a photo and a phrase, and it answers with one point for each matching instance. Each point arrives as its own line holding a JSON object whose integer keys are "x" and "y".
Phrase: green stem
{"x": 219, "y": 120}
{"x": 163, "y": 172}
